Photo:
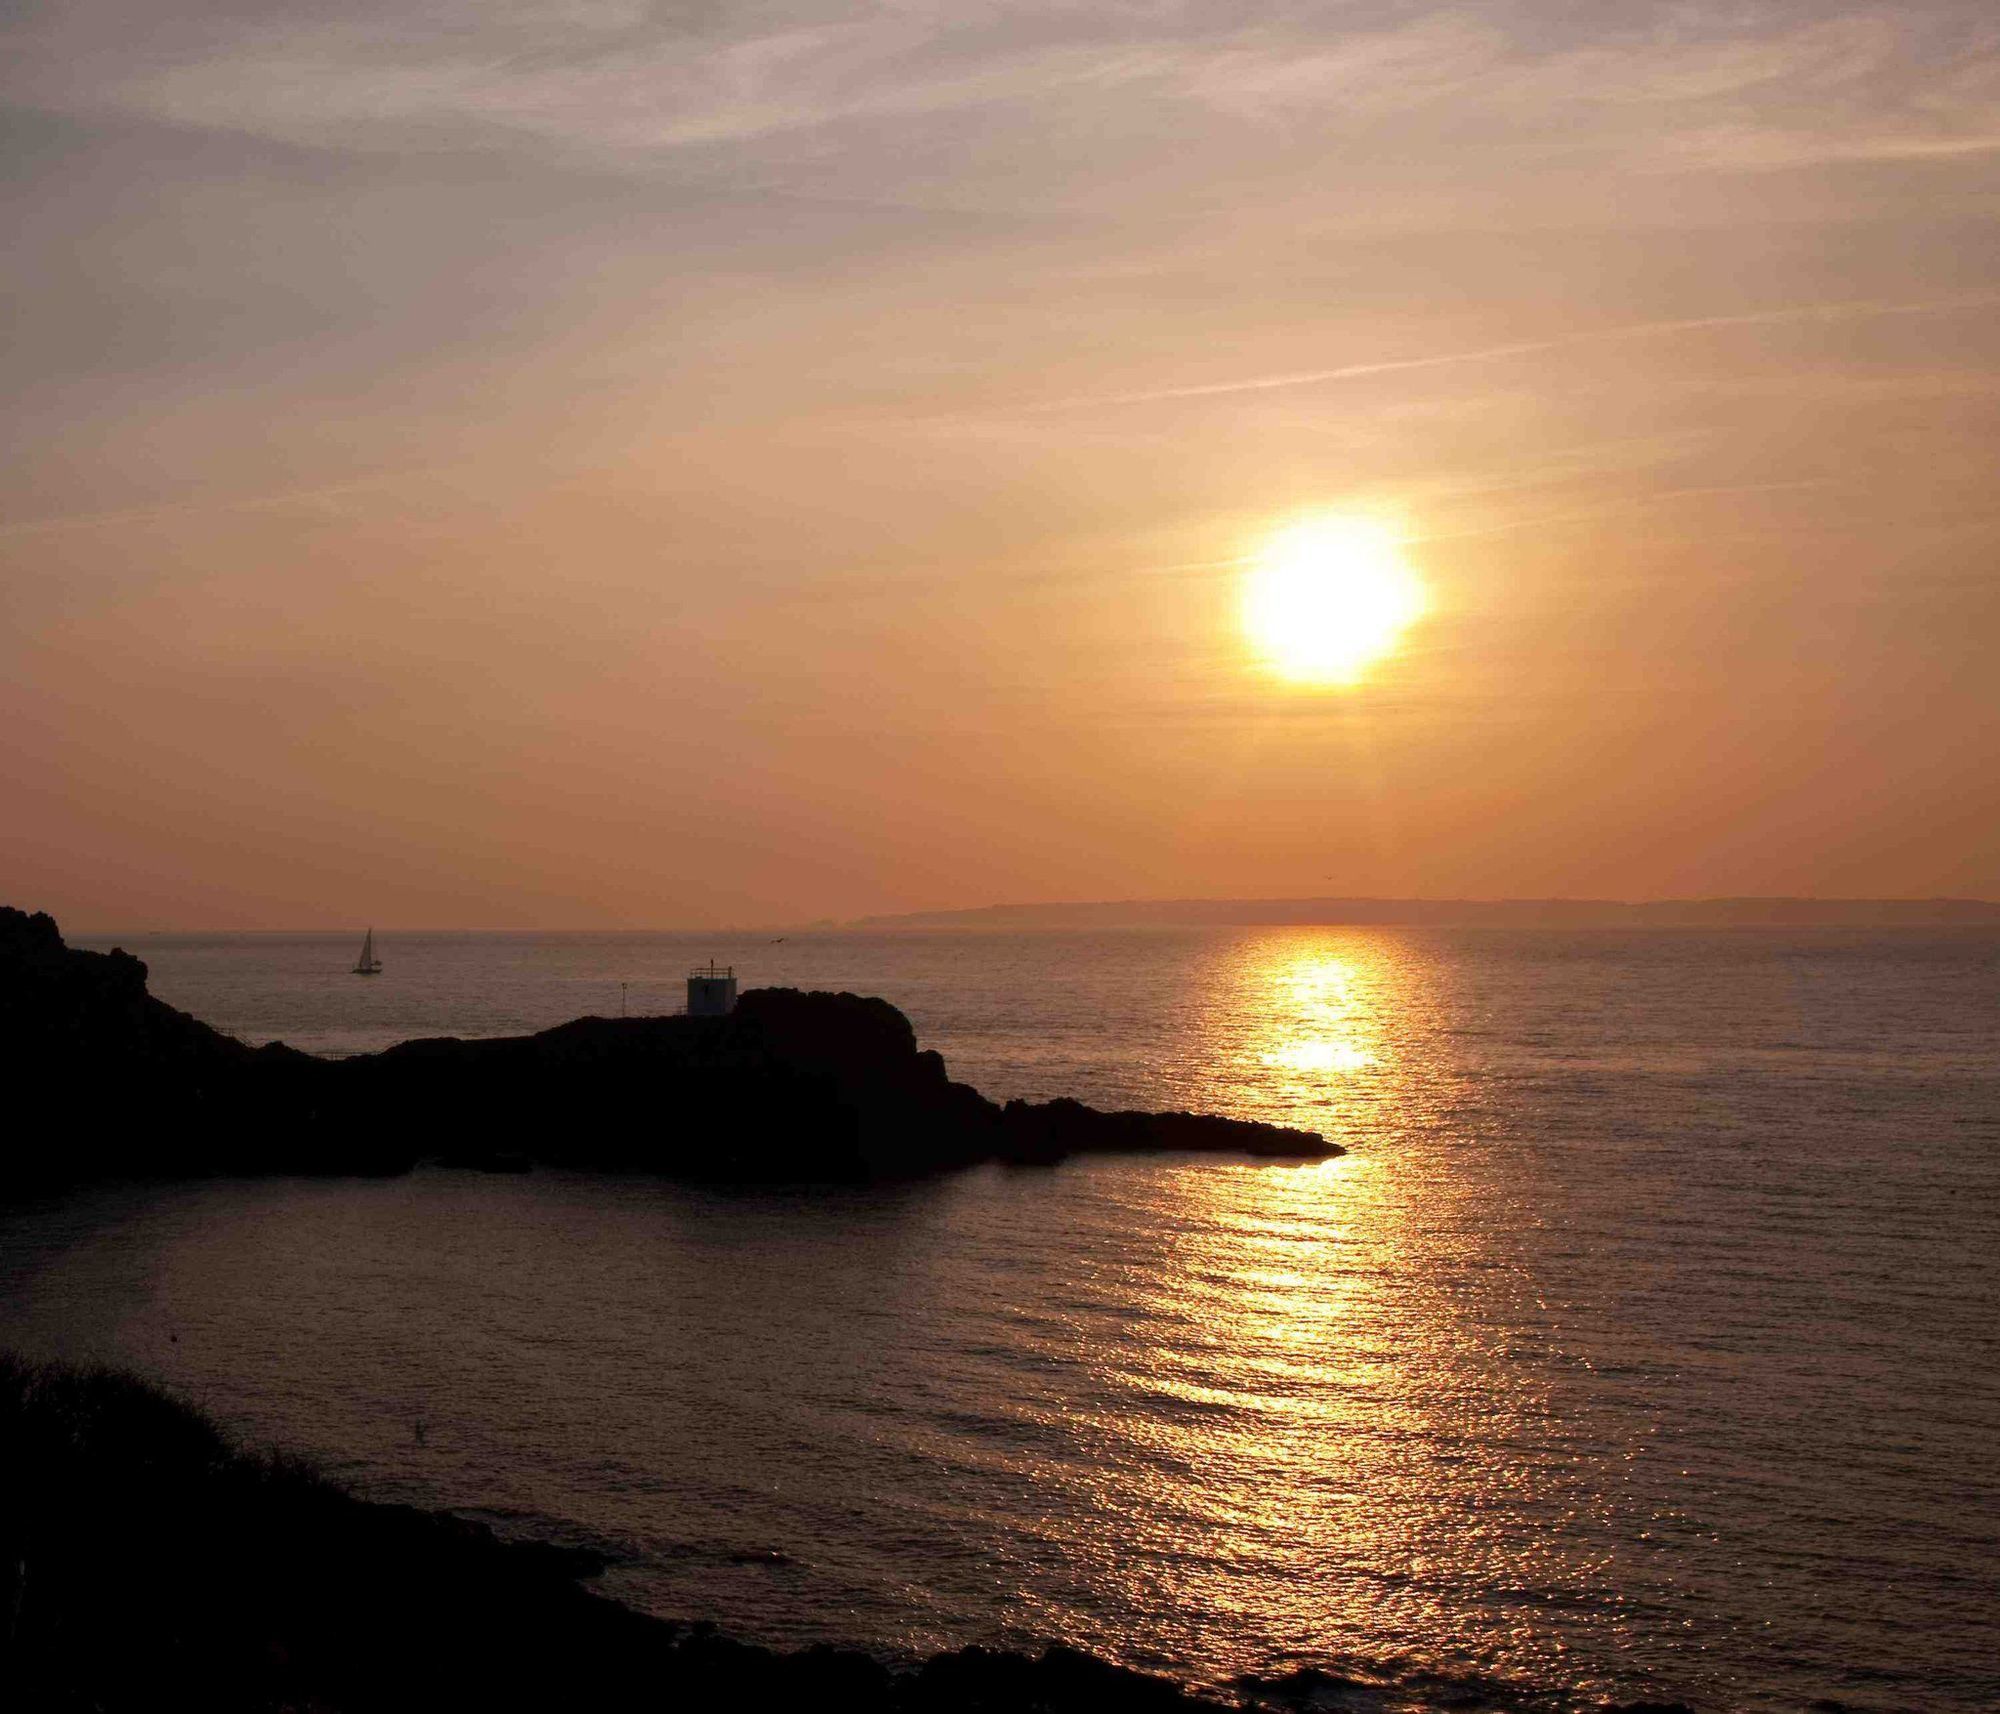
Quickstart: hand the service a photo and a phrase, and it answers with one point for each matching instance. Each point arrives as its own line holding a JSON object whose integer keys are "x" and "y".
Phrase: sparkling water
{"x": 1646, "y": 1343}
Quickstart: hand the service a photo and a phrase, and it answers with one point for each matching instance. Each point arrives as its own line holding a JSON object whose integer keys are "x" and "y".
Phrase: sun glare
{"x": 1327, "y": 598}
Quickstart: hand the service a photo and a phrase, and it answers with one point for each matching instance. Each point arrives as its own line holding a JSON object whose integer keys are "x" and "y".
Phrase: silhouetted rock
{"x": 152, "y": 1565}
{"x": 789, "y": 1086}
{"x": 992, "y": 1681}
{"x": 99, "y": 1078}
{"x": 1052, "y": 1129}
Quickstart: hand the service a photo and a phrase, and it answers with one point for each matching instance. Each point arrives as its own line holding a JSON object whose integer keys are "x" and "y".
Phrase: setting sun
{"x": 1328, "y": 597}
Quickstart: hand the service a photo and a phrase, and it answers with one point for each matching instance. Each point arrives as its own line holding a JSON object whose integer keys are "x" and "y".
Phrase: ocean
{"x": 1645, "y": 1344}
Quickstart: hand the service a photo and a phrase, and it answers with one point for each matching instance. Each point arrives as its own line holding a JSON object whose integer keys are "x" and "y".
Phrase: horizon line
{"x": 824, "y": 925}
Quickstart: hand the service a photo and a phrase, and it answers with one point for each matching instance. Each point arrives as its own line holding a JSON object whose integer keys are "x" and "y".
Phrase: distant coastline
{"x": 1469, "y": 913}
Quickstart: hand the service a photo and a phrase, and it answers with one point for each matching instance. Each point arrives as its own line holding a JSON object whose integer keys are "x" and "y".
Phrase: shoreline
{"x": 149, "y": 1561}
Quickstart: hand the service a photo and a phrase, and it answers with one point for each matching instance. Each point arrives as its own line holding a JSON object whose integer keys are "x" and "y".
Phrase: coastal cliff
{"x": 790, "y": 1086}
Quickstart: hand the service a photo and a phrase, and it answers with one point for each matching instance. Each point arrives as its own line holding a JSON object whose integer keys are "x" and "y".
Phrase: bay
{"x": 1646, "y": 1342}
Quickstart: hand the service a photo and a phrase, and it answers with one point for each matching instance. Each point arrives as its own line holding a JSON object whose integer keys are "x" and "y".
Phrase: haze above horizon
{"x": 1320, "y": 912}
{"x": 575, "y": 463}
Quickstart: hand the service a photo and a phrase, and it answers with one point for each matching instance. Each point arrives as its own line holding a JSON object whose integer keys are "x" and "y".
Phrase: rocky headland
{"x": 103, "y": 1079}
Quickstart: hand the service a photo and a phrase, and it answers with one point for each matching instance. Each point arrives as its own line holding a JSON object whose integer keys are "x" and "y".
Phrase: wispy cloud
{"x": 325, "y": 496}
{"x": 1692, "y": 85}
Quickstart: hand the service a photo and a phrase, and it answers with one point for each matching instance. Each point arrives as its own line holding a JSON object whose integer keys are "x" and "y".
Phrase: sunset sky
{"x": 571, "y": 464}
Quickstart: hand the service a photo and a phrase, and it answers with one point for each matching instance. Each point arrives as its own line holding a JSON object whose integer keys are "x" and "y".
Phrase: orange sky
{"x": 560, "y": 464}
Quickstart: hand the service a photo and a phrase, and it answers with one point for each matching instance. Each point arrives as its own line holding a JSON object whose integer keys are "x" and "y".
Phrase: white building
{"x": 711, "y": 991}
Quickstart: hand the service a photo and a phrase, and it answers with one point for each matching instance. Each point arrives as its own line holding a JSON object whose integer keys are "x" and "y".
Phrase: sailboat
{"x": 368, "y": 964}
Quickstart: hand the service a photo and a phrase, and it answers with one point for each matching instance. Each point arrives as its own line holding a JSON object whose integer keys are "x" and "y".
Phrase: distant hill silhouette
{"x": 1468, "y": 913}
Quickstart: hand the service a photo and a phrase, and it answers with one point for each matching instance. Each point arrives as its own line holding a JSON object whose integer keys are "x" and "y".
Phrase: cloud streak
{"x": 322, "y": 495}
{"x": 1823, "y": 312}
{"x": 1702, "y": 86}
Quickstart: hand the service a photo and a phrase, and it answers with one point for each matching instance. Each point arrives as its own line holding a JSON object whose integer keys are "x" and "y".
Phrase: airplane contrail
{"x": 1522, "y": 348}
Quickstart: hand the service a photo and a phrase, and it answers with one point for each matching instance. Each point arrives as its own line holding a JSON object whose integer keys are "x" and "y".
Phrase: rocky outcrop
{"x": 147, "y": 1563}
{"x": 99, "y": 1078}
{"x": 791, "y": 1085}
{"x": 1051, "y": 1130}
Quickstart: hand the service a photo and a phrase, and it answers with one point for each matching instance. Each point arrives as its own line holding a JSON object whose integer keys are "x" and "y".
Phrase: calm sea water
{"x": 1646, "y": 1344}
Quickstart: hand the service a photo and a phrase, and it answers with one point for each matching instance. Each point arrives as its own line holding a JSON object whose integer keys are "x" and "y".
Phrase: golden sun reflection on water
{"x": 1327, "y": 1420}
{"x": 1320, "y": 1056}
{"x": 1315, "y": 1013}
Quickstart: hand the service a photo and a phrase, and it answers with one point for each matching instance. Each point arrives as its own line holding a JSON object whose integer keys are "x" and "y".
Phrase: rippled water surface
{"x": 1646, "y": 1343}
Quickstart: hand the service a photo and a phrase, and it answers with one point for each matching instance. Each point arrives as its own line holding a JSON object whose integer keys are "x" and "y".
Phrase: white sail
{"x": 368, "y": 963}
